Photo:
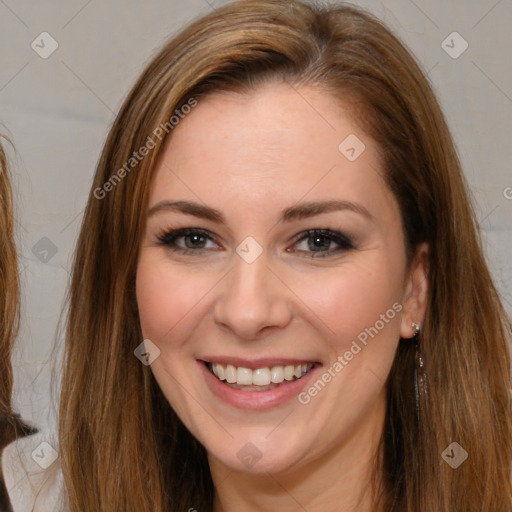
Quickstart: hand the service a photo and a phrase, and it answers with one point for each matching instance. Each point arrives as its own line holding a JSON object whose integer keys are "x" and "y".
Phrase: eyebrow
{"x": 296, "y": 212}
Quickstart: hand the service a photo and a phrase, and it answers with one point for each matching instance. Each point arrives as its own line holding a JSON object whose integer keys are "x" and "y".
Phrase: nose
{"x": 252, "y": 299}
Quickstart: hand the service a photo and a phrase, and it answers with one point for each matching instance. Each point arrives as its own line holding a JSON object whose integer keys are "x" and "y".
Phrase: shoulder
{"x": 32, "y": 475}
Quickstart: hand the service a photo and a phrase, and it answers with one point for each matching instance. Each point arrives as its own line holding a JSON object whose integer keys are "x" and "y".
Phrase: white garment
{"x": 32, "y": 474}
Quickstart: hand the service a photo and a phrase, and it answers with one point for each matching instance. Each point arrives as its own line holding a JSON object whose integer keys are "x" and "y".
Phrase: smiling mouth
{"x": 258, "y": 379}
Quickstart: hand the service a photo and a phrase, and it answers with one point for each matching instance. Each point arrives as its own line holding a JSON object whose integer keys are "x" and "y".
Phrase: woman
{"x": 11, "y": 425}
{"x": 373, "y": 376}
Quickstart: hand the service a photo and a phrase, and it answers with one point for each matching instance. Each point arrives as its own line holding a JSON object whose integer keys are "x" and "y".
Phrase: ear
{"x": 416, "y": 292}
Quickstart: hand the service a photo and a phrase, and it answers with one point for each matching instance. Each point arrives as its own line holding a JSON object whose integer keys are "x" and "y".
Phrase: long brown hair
{"x": 11, "y": 426}
{"x": 122, "y": 446}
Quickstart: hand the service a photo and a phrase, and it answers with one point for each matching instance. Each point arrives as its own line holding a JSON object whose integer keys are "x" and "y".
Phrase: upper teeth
{"x": 259, "y": 376}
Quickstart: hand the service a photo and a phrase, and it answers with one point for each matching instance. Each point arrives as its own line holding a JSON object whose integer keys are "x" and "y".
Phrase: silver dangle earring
{"x": 419, "y": 371}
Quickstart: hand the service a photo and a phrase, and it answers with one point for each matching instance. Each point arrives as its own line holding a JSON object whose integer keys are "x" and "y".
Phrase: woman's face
{"x": 247, "y": 288}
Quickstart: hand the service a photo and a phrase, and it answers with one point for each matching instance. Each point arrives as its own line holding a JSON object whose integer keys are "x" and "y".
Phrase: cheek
{"x": 165, "y": 297}
{"x": 359, "y": 297}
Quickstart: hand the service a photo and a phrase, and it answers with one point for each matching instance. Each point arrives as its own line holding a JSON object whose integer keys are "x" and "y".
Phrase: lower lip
{"x": 256, "y": 400}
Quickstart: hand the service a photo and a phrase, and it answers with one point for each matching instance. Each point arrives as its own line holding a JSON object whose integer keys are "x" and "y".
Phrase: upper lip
{"x": 256, "y": 363}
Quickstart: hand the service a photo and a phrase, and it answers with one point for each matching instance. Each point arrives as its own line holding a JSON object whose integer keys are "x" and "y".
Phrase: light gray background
{"x": 58, "y": 111}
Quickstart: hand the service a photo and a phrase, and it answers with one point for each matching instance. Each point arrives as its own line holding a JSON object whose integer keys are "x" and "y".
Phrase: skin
{"x": 250, "y": 156}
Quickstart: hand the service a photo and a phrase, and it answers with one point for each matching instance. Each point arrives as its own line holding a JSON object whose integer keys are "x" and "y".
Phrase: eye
{"x": 188, "y": 240}
{"x": 319, "y": 242}
{"x": 194, "y": 241}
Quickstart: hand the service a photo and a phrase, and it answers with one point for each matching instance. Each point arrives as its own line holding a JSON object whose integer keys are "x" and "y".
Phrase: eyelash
{"x": 168, "y": 239}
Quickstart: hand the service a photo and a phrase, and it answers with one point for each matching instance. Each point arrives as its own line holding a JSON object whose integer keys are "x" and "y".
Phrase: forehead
{"x": 276, "y": 142}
